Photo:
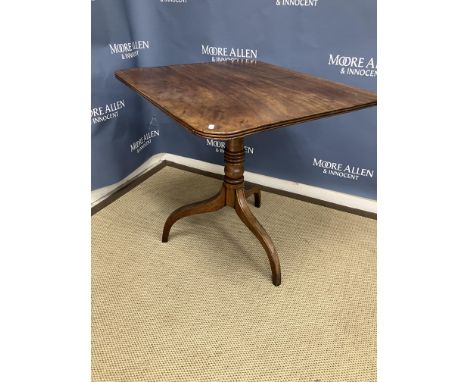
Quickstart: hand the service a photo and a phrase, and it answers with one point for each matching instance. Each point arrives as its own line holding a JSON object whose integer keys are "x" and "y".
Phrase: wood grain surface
{"x": 226, "y": 100}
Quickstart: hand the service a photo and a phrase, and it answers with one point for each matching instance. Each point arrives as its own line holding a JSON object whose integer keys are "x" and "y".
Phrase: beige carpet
{"x": 202, "y": 306}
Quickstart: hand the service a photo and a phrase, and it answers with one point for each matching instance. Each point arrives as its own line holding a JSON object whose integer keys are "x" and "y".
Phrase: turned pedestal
{"x": 233, "y": 194}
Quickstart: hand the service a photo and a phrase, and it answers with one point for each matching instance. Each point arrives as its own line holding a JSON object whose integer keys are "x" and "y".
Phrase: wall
{"x": 333, "y": 39}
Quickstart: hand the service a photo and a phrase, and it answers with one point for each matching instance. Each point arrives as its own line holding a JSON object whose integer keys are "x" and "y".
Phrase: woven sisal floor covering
{"x": 202, "y": 306}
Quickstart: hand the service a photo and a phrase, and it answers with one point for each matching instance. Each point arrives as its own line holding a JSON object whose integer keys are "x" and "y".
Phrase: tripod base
{"x": 233, "y": 194}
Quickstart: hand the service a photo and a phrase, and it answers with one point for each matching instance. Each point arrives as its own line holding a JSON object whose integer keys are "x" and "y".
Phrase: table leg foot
{"x": 209, "y": 205}
{"x": 255, "y": 190}
{"x": 244, "y": 213}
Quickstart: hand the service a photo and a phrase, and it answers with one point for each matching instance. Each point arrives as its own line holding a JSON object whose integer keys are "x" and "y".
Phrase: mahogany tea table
{"x": 228, "y": 101}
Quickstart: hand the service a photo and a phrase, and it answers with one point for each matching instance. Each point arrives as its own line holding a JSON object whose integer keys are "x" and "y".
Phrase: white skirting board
{"x": 347, "y": 200}
{"x": 100, "y": 194}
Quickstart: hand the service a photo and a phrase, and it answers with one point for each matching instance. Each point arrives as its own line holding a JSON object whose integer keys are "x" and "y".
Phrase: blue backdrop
{"x": 333, "y": 39}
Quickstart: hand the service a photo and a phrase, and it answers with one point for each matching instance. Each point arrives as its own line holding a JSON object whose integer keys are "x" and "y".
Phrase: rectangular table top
{"x": 227, "y": 100}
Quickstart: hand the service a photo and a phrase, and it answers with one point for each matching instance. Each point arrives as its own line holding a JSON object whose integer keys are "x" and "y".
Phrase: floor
{"x": 202, "y": 307}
